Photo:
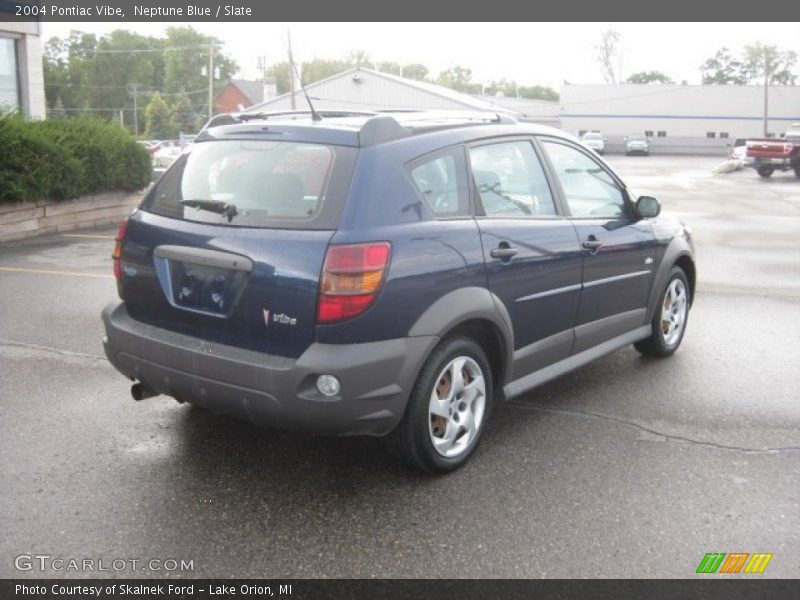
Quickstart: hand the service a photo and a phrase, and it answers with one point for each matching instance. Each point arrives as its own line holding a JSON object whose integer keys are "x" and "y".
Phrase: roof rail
{"x": 242, "y": 117}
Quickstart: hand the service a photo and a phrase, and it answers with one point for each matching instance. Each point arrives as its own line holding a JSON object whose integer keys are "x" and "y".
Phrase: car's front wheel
{"x": 448, "y": 408}
{"x": 670, "y": 318}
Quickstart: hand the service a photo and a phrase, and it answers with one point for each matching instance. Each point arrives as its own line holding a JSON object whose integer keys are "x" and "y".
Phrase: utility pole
{"x": 133, "y": 89}
{"x": 291, "y": 70}
{"x": 766, "y": 93}
{"x": 210, "y": 80}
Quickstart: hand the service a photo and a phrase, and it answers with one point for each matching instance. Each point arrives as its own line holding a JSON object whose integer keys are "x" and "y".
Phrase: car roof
{"x": 361, "y": 129}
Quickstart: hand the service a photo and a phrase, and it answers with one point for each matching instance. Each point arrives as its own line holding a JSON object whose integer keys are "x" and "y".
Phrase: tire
{"x": 675, "y": 316}
{"x": 442, "y": 441}
{"x": 797, "y": 172}
{"x": 765, "y": 172}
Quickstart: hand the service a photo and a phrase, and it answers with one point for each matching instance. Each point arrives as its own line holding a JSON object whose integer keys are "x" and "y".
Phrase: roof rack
{"x": 234, "y": 118}
{"x": 383, "y": 125}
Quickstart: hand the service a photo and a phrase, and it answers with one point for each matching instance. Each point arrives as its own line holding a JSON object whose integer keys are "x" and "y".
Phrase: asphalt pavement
{"x": 628, "y": 467}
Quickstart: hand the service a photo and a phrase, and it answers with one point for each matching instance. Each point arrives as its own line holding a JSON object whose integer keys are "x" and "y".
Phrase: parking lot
{"x": 628, "y": 467}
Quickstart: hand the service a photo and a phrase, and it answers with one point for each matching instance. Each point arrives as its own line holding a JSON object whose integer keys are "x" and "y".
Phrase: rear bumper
{"x": 759, "y": 161}
{"x": 376, "y": 378}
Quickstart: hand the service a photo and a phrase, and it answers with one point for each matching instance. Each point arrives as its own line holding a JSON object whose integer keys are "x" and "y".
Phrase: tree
{"x": 159, "y": 125}
{"x": 182, "y": 115}
{"x": 607, "y": 54}
{"x": 762, "y": 62}
{"x": 538, "y": 92}
{"x": 649, "y": 77}
{"x": 186, "y": 56}
{"x": 319, "y": 69}
{"x": 415, "y": 71}
{"x": 722, "y": 69}
{"x": 460, "y": 79}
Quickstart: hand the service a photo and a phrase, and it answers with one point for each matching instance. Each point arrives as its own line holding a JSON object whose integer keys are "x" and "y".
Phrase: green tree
{"x": 649, "y": 77}
{"x": 319, "y": 69}
{"x": 538, "y": 92}
{"x": 159, "y": 125}
{"x": 182, "y": 115}
{"x": 722, "y": 69}
{"x": 460, "y": 79}
{"x": 415, "y": 71}
{"x": 762, "y": 62}
{"x": 186, "y": 59}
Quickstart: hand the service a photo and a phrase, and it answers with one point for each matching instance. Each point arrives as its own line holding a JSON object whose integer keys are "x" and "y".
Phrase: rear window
{"x": 250, "y": 183}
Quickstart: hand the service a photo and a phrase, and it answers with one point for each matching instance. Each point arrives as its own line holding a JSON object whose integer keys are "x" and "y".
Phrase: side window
{"x": 442, "y": 182}
{"x": 510, "y": 180}
{"x": 589, "y": 189}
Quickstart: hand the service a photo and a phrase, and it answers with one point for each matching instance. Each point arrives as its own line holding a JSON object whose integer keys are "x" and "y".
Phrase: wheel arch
{"x": 678, "y": 253}
{"x": 476, "y": 313}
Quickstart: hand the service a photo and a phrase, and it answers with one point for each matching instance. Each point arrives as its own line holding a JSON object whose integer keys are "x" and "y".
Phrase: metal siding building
{"x": 679, "y": 111}
{"x": 365, "y": 89}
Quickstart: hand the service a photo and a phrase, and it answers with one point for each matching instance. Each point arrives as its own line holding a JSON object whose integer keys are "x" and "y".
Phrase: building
{"x": 240, "y": 94}
{"x": 21, "y": 74}
{"x": 692, "y": 117}
{"x": 365, "y": 89}
{"x": 542, "y": 112}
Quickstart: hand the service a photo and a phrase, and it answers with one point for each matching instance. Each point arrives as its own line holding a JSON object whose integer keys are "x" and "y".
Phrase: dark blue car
{"x": 388, "y": 275}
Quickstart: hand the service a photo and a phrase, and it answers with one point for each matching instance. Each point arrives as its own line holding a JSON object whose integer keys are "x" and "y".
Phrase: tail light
{"x": 115, "y": 256}
{"x": 351, "y": 279}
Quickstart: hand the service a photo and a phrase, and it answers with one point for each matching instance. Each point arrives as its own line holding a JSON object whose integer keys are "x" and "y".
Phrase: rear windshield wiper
{"x": 215, "y": 206}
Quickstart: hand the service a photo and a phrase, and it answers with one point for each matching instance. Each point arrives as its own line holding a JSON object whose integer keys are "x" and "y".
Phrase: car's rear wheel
{"x": 797, "y": 172}
{"x": 671, "y": 316}
{"x": 765, "y": 171}
{"x": 448, "y": 408}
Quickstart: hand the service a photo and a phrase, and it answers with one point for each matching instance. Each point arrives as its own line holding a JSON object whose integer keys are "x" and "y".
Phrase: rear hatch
{"x": 228, "y": 246}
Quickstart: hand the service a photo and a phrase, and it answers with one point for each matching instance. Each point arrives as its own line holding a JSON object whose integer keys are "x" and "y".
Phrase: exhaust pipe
{"x": 140, "y": 391}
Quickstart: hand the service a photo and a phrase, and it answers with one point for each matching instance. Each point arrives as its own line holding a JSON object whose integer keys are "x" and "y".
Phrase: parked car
{"x": 595, "y": 140}
{"x": 388, "y": 275}
{"x": 166, "y": 152}
{"x": 766, "y": 155}
{"x": 637, "y": 143}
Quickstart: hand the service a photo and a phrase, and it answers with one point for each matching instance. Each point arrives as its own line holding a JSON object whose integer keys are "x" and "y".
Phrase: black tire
{"x": 411, "y": 440}
{"x": 765, "y": 172}
{"x": 659, "y": 344}
{"x": 797, "y": 172}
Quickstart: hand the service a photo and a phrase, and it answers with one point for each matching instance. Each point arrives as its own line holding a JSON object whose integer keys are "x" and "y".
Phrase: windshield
{"x": 637, "y": 137}
{"x": 245, "y": 183}
{"x": 592, "y": 136}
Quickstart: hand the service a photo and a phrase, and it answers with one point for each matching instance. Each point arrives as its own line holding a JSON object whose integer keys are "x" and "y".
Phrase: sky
{"x": 529, "y": 53}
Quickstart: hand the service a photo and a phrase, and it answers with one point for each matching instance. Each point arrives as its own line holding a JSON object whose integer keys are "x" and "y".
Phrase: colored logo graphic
{"x": 736, "y": 562}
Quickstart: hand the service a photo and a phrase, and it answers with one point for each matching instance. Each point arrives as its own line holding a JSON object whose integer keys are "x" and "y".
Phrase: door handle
{"x": 503, "y": 252}
{"x": 592, "y": 243}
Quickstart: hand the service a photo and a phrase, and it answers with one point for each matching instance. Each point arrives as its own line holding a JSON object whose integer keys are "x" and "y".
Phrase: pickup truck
{"x": 769, "y": 154}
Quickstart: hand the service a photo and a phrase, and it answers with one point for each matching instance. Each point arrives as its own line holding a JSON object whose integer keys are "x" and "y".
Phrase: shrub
{"x": 58, "y": 160}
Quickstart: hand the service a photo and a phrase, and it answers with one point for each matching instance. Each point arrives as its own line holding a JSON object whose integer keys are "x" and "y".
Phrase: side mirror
{"x": 647, "y": 207}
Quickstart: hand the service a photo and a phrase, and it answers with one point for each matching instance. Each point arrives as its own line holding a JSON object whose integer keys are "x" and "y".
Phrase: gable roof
{"x": 459, "y": 100}
{"x": 252, "y": 90}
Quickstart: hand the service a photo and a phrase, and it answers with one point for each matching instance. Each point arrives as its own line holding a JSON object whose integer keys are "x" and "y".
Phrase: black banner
{"x": 131, "y": 11}
{"x": 411, "y": 589}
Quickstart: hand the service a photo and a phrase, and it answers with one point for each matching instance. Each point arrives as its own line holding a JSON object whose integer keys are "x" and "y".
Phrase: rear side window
{"x": 510, "y": 180}
{"x": 247, "y": 183}
{"x": 442, "y": 182}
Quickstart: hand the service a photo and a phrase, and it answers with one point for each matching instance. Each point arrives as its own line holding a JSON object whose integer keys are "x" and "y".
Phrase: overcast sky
{"x": 530, "y": 53}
